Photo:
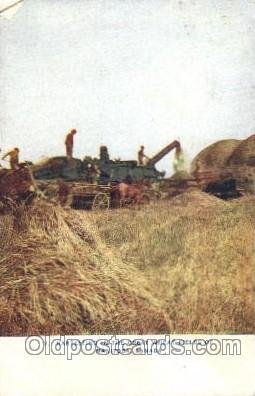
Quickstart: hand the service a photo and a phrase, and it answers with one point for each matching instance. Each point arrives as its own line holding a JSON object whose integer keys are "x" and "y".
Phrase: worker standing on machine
{"x": 13, "y": 158}
{"x": 142, "y": 157}
{"x": 69, "y": 143}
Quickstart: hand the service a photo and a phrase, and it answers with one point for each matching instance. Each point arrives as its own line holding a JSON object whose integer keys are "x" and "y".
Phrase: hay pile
{"x": 227, "y": 159}
{"x": 244, "y": 153}
{"x": 196, "y": 199}
{"x": 15, "y": 183}
{"x": 57, "y": 276}
{"x": 178, "y": 183}
{"x": 214, "y": 156}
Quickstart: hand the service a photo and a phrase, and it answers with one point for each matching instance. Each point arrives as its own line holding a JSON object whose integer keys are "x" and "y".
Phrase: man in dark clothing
{"x": 69, "y": 143}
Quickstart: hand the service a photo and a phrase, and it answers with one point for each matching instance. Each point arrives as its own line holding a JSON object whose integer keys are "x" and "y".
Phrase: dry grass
{"x": 57, "y": 276}
{"x": 183, "y": 265}
{"x": 198, "y": 253}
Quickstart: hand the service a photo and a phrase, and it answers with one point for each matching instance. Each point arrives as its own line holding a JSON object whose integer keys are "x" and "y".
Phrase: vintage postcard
{"x": 127, "y": 194}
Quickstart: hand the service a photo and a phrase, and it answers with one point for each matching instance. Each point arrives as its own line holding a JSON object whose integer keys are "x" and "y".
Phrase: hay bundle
{"x": 56, "y": 276}
{"x": 15, "y": 183}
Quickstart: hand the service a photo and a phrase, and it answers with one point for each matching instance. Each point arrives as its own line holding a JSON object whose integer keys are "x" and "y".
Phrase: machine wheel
{"x": 101, "y": 201}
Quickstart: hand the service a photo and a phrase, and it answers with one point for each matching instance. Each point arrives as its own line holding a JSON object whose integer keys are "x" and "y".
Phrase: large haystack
{"x": 243, "y": 154}
{"x": 57, "y": 276}
{"x": 215, "y": 156}
{"x": 227, "y": 159}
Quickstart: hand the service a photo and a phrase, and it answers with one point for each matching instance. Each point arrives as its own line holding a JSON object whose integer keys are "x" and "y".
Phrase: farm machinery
{"x": 96, "y": 183}
{"x": 106, "y": 170}
{"x": 91, "y": 183}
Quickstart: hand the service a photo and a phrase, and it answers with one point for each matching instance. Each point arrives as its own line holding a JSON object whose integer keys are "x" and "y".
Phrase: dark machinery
{"x": 157, "y": 157}
{"x": 224, "y": 189}
{"x": 102, "y": 170}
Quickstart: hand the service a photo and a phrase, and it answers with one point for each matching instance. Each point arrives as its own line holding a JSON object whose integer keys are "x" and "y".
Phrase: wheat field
{"x": 183, "y": 265}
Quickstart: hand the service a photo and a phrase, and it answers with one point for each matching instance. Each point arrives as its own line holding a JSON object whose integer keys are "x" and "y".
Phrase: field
{"x": 183, "y": 265}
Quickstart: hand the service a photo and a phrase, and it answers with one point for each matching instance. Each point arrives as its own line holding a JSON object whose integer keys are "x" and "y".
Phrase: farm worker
{"x": 69, "y": 143}
{"x": 13, "y": 158}
{"x": 141, "y": 156}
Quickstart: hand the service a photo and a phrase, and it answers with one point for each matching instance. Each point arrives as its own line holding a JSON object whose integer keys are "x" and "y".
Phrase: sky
{"x": 126, "y": 73}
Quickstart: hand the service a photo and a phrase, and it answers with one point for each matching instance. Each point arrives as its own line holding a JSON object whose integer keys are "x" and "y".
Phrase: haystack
{"x": 214, "y": 156}
{"x": 243, "y": 154}
{"x": 15, "y": 184}
{"x": 58, "y": 277}
{"x": 227, "y": 159}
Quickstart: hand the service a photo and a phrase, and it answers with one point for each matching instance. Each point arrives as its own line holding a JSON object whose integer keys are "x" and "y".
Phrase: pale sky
{"x": 126, "y": 73}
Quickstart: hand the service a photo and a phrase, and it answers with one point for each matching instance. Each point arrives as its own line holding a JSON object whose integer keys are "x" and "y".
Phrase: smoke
{"x": 180, "y": 162}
